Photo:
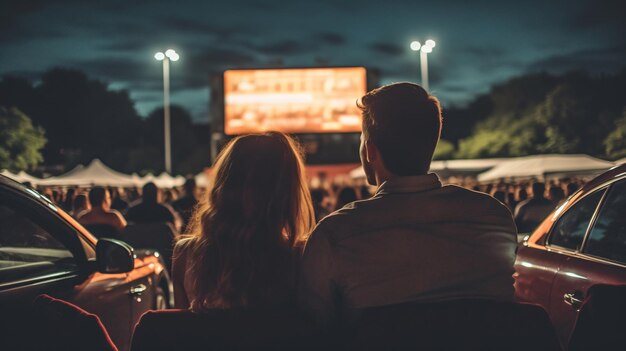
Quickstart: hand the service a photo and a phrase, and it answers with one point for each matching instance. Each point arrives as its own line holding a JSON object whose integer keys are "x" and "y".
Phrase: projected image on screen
{"x": 308, "y": 100}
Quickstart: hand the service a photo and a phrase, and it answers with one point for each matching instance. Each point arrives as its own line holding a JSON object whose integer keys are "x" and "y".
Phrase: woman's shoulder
{"x": 182, "y": 245}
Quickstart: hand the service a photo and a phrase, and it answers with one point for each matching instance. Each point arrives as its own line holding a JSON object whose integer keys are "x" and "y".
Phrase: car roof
{"x": 21, "y": 188}
{"x": 616, "y": 172}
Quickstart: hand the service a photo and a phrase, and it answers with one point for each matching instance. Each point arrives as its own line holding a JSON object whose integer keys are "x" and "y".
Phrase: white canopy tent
{"x": 545, "y": 166}
{"x": 94, "y": 174}
{"x": 25, "y": 177}
{"x": 202, "y": 180}
{"x": 21, "y": 177}
{"x": 147, "y": 178}
{"x": 165, "y": 180}
{"x": 446, "y": 168}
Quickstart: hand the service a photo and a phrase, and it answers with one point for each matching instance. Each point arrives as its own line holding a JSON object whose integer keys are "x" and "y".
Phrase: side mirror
{"x": 114, "y": 256}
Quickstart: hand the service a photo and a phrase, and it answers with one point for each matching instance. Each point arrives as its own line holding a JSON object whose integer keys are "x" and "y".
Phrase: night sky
{"x": 479, "y": 43}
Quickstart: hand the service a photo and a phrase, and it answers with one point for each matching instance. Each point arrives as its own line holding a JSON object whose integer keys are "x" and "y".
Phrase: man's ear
{"x": 371, "y": 151}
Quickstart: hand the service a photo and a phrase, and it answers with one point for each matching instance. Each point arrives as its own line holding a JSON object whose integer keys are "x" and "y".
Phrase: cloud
{"x": 484, "y": 51}
{"x": 262, "y": 5}
{"x": 331, "y": 38}
{"x": 12, "y": 11}
{"x": 603, "y": 60}
{"x": 31, "y": 75}
{"x": 115, "y": 68}
{"x": 387, "y": 49}
{"x": 125, "y": 44}
{"x": 605, "y": 14}
{"x": 205, "y": 27}
{"x": 285, "y": 47}
{"x": 453, "y": 88}
{"x": 216, "y": 57}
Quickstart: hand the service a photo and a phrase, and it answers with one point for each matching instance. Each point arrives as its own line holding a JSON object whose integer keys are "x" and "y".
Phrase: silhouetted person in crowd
{"x": 151, "y": 210}
{"x": 118, "y": 203}
{"x": 186, "y": 204}
{"x": 246, "y": 233}
{"x": 80, "y": 205}
{"x": 500, "y": 195}
{"x": 531, "y": 212}
{"x": 365, "y": 192}
{"x": 522, "y": 194}
{"x": 66, "y": 205}
{"x": 101, "y": 220}
{"x": 345, "y": 196}
{"x": 56, "y": 197}
{"x": 318, "y": 196}
{"x": 511, "y": 202}
{"x": 557, "y": 195}
{"x": 572, "y": 188}
{"x": 414, "y": 239}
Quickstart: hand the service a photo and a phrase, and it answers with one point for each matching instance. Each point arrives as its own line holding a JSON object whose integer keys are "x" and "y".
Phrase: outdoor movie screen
{"x": 302, "y": 100}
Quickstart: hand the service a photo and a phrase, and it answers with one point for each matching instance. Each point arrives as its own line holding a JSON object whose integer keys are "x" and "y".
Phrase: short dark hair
{"x": 404, "y": 122}
{"x": 150, "y": 192}
{"x": 539, "y": 189}
{"x": 190, "y": 185}
{"x": 96, "y": 196}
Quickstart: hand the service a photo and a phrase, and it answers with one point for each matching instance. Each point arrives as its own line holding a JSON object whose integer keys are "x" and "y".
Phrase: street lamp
{"x": 169, "y": 55}
{"x": 424, "y": 50}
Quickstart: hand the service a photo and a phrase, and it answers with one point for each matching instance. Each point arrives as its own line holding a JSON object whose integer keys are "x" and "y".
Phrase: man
{"x": 531, "y": 212}
{"x": 101, "y": 220}
{"x": 414, "y": 240}
{"x": 150, "y": 210}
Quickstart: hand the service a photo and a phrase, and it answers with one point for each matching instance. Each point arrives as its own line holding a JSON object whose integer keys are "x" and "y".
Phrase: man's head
{"x": 99, "y": 197}
{"x": 401, "y": 128}
{"x": 150, "y": 193}
{"x": 539, "y": 189}
{"x": 190, "y": 186}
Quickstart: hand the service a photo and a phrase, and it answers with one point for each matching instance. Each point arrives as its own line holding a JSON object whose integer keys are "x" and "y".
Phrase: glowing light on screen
{"x": 306, "y": 100}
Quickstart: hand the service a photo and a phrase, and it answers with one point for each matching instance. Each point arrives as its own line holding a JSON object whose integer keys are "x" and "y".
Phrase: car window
{"x": 27, "y": 250}
{"x": 572, "y": 226}
{"x": 608, "y": 235}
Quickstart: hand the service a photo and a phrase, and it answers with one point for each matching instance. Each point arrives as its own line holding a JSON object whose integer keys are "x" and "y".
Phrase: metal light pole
{"x": 170, "y": 55}
{"x": 424, "y": 50}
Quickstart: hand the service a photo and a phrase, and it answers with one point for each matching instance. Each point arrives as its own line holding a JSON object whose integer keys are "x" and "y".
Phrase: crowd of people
{"x": 264, "y": 236}
{"x": 530, "y": 200}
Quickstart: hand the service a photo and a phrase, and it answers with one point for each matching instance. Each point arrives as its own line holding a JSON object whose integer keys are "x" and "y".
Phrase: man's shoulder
{"x": 347, "y": 219}
{"x": 474, "y": 200}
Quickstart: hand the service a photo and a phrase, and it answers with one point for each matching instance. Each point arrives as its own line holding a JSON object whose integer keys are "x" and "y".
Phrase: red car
{"x": 44, "y": 250}
{"x": 582, "y": 243}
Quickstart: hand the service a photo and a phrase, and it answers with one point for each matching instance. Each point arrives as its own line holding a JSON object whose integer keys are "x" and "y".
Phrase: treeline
{"x": 539, "y": 114}
{"x": 83, "y": 118}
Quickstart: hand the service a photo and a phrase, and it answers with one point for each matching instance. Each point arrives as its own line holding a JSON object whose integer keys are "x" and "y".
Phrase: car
{"x": 44, "y": 250}
{"x": 581, "y": 244}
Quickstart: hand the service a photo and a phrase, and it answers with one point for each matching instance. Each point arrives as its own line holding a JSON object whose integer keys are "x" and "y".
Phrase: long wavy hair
{"x": 245, "y": 233}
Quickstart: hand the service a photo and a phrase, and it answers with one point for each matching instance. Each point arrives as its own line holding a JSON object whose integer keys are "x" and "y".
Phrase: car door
{"x": 599, "y": 258}
{"x": 537, "y": 264}
{"x": 35, "y": 258}
{"x": 42, "y": 253}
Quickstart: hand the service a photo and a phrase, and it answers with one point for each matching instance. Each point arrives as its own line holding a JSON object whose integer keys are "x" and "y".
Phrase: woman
{"x": 242, "y": 251}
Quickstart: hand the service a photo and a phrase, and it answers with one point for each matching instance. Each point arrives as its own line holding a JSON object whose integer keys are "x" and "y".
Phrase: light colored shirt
{"x": 414, "y": 240}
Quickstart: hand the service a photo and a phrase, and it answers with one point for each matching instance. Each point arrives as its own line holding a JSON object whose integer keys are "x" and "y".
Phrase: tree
{"x": 444, "y": 150}
{"x": 538, "y": 114}
{"x": 615, "y": 142}
{"x": 83, "y": 117}
{"x": 20, "y": 141}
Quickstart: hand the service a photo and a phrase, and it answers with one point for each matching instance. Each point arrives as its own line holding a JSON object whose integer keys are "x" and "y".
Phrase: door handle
{"x": 573, "y": 299}
{"x": 138, "y": 289}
